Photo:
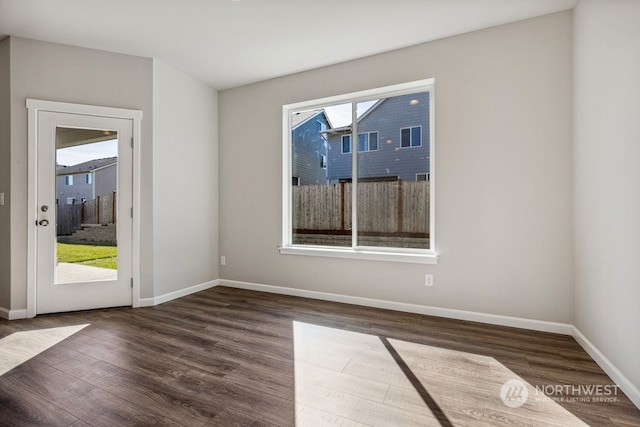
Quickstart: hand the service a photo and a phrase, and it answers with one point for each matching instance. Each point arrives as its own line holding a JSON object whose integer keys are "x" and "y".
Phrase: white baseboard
{"x": 148, "y": 302}
{"x": 494, "y": 319}
{"x": 614, "y": 373}
{"x": 12, "y": 314}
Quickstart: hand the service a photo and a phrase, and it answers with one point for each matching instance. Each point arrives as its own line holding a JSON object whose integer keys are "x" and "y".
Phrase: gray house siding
{"x": 78, "y": 190}
{"x": 106, "y": 180}
{"x": 103, "y": 182}
{"x": 309, "y": 147}
{"x": 390, "y": 160}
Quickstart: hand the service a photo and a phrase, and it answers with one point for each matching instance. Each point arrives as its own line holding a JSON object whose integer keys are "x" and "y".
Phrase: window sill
{"x": 361, "y": 254}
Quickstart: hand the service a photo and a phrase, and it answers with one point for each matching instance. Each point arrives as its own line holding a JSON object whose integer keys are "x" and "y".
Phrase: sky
{"x": 82, "y": 153}
{"x": 340, "y": 115}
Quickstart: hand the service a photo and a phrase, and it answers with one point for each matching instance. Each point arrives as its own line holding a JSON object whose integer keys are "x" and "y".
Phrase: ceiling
{"x": 228, "y": 43}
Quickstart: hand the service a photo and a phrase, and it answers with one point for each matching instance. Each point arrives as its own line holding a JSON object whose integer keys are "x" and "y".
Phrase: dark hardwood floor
{"x": 229, "y": 357}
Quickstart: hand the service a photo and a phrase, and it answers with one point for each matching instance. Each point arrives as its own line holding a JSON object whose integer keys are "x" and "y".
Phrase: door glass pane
{"x": 86, "y": 200}
{"x": 321, "y": 176}
{"x": 393, "y": 202}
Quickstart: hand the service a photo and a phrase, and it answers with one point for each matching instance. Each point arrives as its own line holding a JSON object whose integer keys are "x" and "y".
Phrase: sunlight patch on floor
{"x": 19, "y": 347}
{"x": 352, "y": 379}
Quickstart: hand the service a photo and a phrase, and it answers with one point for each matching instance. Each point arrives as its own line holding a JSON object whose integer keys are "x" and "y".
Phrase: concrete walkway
{"x": 71, "y": 273}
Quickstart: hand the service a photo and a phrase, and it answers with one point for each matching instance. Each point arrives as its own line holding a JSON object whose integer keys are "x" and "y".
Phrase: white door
{"x": 84, "y": 212}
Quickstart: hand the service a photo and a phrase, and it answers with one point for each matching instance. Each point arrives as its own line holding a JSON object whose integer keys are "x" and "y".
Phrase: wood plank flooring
{"x": 230, "y": 357}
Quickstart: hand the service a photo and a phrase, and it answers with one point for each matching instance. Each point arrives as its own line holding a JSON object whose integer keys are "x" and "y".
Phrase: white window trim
{"x": 421, "y": 256}
{"x": 411, "y": 137}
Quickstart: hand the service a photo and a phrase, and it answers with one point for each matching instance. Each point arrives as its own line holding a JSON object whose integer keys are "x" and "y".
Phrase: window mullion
{"x": 354, "y": 174}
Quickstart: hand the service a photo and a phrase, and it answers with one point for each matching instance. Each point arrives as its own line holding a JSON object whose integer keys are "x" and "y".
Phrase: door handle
{"x": 43, "y": 222}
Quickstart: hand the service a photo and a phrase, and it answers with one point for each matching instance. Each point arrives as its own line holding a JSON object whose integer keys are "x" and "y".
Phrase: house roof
{"x": 89, "y": 166}
{"x": 300, "y": 117}
{"x": 347, "y": 128}
{"x": 379, "y": 102}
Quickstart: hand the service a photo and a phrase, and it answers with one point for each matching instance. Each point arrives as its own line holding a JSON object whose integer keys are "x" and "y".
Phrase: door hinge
{"x": 131, "y": 142}
{"x": 131, "y": 212}
{"x": 132, "y": 283}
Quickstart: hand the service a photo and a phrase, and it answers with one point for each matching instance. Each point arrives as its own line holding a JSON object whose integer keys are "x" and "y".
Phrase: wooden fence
{"x": 101, "y": 210}
{"x": 393, "y": 208}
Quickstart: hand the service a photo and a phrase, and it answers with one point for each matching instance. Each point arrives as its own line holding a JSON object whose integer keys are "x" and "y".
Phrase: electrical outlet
{"x": 428, "y": 279}
{"x": 223, "y": 260}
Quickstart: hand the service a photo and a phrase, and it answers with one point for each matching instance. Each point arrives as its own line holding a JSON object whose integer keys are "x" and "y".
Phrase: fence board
{"x": 101, "y": 210}
{"x": 392, "y": 207}
{"x": 68, "y": 219}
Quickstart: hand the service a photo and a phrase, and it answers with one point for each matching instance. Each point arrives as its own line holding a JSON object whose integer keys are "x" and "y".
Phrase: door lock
{"x": 44, "y": 208}
{"x": 43, "y": 222}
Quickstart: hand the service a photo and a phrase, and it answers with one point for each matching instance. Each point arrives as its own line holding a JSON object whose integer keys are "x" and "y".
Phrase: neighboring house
{"x": 393, "y": 142}
{"x": 86, "y": 181}
{"x": 309, "y": 147}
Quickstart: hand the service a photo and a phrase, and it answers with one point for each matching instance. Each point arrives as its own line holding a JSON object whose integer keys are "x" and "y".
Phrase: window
{"x": 411, "y": 137}
{"x": 88, "y": 178}
{"x": 346, "y": 144}
{"x": 68, "y": 180}
{"x": 71, "y": 200}
{"x": 376, "y": 202}
{"x": 373, "y": 141}
{"x": 368, "y": 141}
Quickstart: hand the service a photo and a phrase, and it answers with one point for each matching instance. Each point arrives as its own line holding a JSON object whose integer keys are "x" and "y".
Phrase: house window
{"x": 88, "y": 178}
{"x": 373, "y": 141}
{"x": 346, "y": 144}
{"x": 323, "y": 161}
{"x": 68, "y": 180}
{"x": 368, "y": 141}
{"x": 71, "y": 200}
{"x": 411, "y": 137}
{"x": 377, "y": 205}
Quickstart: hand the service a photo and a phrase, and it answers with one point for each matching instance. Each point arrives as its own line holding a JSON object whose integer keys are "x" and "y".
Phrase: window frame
{"x": 342, "y": 138}
{"x": 367, "y": 142}
{"x": 411, "y": 145}
{"x": 68, "y": 180}
{"x": 393, "y": 254}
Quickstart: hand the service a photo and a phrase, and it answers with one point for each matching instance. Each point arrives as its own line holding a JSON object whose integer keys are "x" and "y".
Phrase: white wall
{"x": 178, "y": 157}
{"x": 69, "y": 74}
{"x": 503, "y": 177}
{"x": 185, "y": 177}
{"x": 607, "y": 180}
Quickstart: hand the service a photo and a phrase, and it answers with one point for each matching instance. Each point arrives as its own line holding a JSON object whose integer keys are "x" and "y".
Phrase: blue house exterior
{"x": 393, "y": 142}
{"x": 309, "y": 147}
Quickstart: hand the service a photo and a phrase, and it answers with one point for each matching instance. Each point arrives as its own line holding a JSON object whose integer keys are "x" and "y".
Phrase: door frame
{"x": 34, "y": 106}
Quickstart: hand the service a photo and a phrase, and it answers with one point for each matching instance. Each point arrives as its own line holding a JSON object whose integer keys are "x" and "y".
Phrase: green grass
{"x": 96, "y": 256}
